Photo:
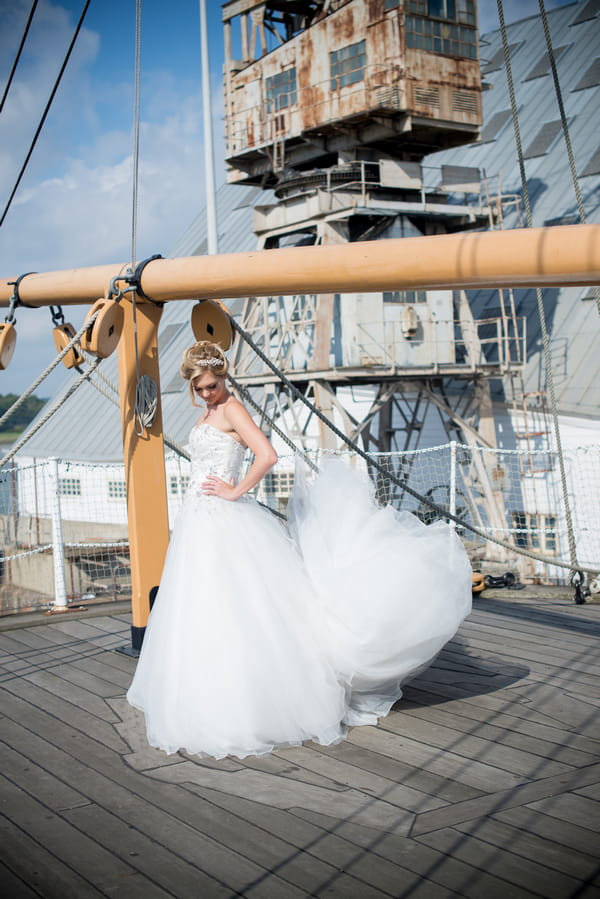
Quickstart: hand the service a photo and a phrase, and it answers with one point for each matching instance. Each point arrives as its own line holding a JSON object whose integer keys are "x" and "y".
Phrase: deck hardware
{"x": 211, "y": 320}
{"x": 134, "y": 279}
{"x": 8, "y": 333}
{"x": 62, "y": 333}
{"x": 577, "y": 579}
{"x": 102, "y": 336}
{"x": 8, "y": 342}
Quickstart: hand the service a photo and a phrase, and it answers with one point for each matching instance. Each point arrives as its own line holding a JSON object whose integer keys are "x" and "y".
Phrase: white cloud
{"x": 74, "y": 206}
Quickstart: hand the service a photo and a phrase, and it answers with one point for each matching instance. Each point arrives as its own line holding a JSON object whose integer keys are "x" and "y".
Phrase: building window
{"x": 462, "y": 11}
{"x": 589, "y": 11}
{"x": 279, "y": 483}
{"x": 542, "y": 66}
{"x": 69, "y": 486}
{"x": 405, "y": 296}
{"x": 591, "y": 77}
{"x": 535, "y": 531}
{"x": 178, "y": 484}
{"x": 543, "y": 140}
{"x": 348, "y": 65}
{"x": 391, "y": 4}
{"x": 438, "y": 36}
{"x": 593, "y": 166}
{"x": 281, "y": 90}
{"x": 497, "y": 60}
{"x": 494, "y": 126}
{"x": 116, "y": 490}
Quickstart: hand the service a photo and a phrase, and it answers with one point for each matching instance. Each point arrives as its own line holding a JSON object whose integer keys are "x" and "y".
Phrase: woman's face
{"x": 210, "y": 388}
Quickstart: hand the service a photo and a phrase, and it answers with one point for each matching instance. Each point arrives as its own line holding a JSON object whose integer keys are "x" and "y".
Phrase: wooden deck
{"x": 483, "y": 782}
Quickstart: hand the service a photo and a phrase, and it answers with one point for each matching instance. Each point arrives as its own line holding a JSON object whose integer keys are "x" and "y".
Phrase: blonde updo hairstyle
{"x": 203, "y": 356}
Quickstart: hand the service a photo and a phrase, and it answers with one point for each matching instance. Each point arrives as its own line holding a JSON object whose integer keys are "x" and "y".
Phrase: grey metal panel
{"x": 572, "y": 322}
{"x": 588, "y": 11}
{"x": 542, "y": 66}
{"x": 591, "y": 76}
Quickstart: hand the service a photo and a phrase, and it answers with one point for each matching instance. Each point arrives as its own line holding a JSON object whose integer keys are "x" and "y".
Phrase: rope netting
{"x": 93, "y": 513}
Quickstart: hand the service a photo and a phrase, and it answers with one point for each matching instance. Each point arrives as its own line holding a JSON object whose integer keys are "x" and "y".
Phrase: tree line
{"x": 24, "y": 414}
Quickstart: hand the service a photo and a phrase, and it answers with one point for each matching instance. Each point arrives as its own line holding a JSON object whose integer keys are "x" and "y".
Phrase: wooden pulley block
{"x": 62, "y": 335}
{"x": 102, "y": 336}
{"x": 210, "y": 321}
{"x": 8, "y": 342}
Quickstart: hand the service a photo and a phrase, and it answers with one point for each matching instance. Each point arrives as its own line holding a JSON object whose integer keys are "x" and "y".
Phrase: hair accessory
{"x": 206, "y": 362}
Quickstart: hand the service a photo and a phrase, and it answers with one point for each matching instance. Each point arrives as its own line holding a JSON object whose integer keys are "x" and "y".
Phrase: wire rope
{"x": 265, "y": 417}
{"x": 540, "y": 302}
{"x": 372, "y": 461}
{"x": 18, "y": 56}
{"x": 565, "y": 129}
{"x": 46, "y": 111}
{"x": 136, "y": 127}
{"x": 33, "y": 387}
{"x": 146, "y": 391}
{"x": 48, "y": 415}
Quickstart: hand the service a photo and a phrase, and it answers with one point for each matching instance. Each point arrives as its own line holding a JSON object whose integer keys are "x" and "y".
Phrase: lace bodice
{"x": 213, "y": 452}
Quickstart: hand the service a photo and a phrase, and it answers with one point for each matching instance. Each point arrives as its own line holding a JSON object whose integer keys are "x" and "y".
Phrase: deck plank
{"x": 490, "y": 760}
{"x": 502, "y": 727}
{"x": 549, "y": 853}
{"x": 505, "y": 864}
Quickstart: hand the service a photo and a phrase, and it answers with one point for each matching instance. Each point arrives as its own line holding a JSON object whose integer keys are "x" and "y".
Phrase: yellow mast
{"x": 144, "y": 457}
{"x": 564, "y": 255}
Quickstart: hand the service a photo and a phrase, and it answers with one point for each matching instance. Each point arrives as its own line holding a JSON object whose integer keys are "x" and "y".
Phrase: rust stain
{"x": 396, "y": 80}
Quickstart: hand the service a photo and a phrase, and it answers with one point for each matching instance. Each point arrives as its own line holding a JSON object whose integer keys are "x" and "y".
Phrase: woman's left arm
{"x": 265, "y": 456}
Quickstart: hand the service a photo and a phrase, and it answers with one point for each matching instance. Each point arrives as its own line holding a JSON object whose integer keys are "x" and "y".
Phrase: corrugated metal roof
{"x": 573, "y": 324}
{"x": 88, "y": 426}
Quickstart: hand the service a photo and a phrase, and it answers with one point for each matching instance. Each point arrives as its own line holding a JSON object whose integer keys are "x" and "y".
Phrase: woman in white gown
{"x": 258, "y": 639}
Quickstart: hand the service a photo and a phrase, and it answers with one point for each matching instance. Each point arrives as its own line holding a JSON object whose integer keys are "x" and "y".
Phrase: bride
{"x": 261, "y": 638}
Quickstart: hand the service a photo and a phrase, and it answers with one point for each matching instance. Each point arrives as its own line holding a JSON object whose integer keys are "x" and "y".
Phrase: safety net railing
{"x": 63, "y": 524}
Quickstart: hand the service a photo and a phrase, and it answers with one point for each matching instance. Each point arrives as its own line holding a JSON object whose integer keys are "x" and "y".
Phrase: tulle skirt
{"x": 262, "y": 638}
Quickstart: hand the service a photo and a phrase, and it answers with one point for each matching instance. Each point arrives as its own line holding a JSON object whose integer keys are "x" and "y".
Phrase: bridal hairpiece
{"x": 214, "y": 360}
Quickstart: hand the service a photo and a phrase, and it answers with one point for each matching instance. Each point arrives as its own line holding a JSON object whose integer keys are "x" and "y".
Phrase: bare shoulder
{"x": 239, "y": 420}
{"x": 235, "y": 412}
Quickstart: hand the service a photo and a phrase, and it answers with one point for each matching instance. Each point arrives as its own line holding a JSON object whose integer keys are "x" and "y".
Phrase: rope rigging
{"x": 540, "y": 302}
{"x": 46, "y": 111}
{"x": 371, "y": 460}
{"x": 48, "y": 415}
{"x": 18, "y": 56}
{"x": 374, "y": 463}
{"x": 42, "y": 377}
{"x": 146, "y": 391}
{"x": 565, "y": 128}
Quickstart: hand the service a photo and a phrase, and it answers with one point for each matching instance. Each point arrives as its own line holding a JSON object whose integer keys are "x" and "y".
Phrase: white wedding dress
{"x": 259, "y": 639}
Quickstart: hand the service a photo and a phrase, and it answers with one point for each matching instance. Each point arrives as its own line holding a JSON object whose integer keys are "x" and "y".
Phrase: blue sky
{"x": 73, "y": 207}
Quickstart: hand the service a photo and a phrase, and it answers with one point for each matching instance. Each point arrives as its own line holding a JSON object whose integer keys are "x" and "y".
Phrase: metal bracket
{"x": 57, "y": 314}
{"x": 135, "y": 278}
{"x": 15, "y": 299}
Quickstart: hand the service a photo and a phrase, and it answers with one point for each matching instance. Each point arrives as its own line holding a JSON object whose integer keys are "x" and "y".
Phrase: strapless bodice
{"x": 213, "y": 452}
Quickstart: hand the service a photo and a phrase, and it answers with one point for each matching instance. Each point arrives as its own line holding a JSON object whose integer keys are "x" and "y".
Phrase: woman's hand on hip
{"x": 214, "y": 486}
